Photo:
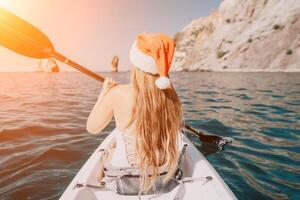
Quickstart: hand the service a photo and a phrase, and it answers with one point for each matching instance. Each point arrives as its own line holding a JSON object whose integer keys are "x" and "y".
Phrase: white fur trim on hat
{"x": 163, "y": 82}
{"x": 141, "y": 60}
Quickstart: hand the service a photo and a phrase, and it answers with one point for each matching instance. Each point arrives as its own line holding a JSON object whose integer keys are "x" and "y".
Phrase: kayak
{"x": 202, "y": 180}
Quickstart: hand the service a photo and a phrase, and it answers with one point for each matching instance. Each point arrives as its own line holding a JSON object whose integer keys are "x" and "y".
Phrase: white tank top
{"x": 120, "y": 155}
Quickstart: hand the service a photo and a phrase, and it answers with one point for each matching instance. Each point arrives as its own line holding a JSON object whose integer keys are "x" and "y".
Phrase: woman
{"x": 147, "y": 111}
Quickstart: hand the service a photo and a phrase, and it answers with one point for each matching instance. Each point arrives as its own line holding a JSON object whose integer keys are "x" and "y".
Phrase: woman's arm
{"x": 102, "y": 112}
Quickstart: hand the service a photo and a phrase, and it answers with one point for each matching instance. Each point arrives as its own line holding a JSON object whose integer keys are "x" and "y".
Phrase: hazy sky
{"x": 91, "y": 32}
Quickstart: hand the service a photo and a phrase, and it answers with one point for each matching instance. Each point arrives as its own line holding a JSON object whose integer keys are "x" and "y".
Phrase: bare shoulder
{"x": 121, "y": 90}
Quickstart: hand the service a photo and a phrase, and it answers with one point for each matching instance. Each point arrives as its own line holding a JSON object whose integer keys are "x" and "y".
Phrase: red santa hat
{"x": 153, "y": 53}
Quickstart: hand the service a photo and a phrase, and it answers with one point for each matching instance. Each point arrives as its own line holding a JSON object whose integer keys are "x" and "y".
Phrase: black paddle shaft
{"x": 202, "y": 137}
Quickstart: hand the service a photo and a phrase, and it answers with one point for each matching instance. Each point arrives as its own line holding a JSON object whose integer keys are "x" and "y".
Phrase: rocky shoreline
{"x": 242, "y": 36}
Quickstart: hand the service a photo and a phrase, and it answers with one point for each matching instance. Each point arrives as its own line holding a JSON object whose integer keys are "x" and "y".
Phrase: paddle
{"x": 25, "y": 39}
{"x": 202, "y": 137}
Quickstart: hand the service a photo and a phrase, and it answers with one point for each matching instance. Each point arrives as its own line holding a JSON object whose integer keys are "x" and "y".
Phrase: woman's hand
{"x": 108, "y": 84}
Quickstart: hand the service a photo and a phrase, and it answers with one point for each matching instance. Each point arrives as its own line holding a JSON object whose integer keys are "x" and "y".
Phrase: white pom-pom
{"x": 163, "y": 82}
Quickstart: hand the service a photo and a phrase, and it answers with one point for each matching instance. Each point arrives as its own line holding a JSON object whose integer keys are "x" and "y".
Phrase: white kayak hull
{"x": 195, "y": 165}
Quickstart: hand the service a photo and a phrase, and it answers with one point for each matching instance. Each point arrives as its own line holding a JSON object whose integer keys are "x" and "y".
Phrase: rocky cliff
{"x": 242, "y": 35}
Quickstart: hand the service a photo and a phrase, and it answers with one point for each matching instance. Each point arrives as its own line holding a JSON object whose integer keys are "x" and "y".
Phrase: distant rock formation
{"x": 249, "y": 35}
{"x": 115, "y": 63}
{"x": 47, "y": 65}
{"x": 53, "y": 65}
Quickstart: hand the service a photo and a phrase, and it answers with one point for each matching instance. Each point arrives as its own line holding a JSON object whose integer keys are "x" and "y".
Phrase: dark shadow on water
{"x": 215, "y": 127}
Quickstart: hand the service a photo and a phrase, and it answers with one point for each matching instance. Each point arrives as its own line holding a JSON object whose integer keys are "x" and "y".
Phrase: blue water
{"x": 43, "y": 141}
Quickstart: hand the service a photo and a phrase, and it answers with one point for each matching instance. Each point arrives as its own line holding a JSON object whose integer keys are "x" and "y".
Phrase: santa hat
{"x": 153, "y": 53}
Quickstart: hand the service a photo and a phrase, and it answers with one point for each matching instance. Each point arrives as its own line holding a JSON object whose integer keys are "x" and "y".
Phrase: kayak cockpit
{"x": 202, "y": 180}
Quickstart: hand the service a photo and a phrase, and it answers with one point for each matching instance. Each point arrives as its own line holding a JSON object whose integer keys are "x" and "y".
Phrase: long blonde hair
{"x": 158, "y": 121}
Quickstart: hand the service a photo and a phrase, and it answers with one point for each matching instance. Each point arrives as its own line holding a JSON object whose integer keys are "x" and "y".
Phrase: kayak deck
{"x": 194, "y": 165}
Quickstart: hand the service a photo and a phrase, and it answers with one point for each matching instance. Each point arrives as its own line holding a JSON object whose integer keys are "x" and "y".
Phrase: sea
{"x": 44, "y": 142}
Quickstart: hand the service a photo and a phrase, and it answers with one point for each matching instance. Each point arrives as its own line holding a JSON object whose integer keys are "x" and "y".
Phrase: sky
{"x": 91, "y": 32}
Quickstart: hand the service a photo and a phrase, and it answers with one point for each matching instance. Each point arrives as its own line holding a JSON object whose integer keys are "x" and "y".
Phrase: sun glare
{"x": 4, "y": 3}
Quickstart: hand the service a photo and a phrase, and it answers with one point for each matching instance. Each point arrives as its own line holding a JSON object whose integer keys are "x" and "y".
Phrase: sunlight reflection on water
{"x": 43, "y": 141}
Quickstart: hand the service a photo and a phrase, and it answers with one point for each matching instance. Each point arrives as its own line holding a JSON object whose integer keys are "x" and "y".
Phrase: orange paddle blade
{"x": 23, "y": 38}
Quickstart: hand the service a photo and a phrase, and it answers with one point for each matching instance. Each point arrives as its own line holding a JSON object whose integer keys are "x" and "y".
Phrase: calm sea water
{"x": 43, "y": 141}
